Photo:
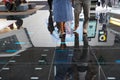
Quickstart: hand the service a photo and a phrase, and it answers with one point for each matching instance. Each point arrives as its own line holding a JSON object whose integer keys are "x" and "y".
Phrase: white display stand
{"x": 21, "y": 37}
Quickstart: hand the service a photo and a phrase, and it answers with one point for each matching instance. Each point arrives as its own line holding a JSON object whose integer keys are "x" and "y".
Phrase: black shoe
{"x": 62, "y": 35}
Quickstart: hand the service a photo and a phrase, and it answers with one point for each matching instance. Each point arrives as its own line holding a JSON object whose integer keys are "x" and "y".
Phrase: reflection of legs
{"x": 9, "y": 6}
{"x": 60, "y": 71}
{"x": 77, "y": 11}
{"x": 50, "y": 24}
{"x": 86, "y": 11}
{"x": 63, "y": 44}
{"x": 62, "y": 27}
{"x": 76, "y": 40}
{"x": 50, "y": 4}
{"x": 58, "y": 26}
{"x": 75, "y": 72}
{"x": 76, "y": 20}
{"x": 85, "y": 40}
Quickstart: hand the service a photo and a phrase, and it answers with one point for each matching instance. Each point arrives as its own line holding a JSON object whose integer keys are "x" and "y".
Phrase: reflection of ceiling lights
{"x": 111, "y": 78}
{"x": 115, "y": 21}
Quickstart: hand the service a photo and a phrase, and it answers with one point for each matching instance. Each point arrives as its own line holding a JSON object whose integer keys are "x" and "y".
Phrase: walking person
{"x": 12, "y": 5}
{"x": 62, "y": 12}
{"x": 109, "y": 4}
{"x": 50, "y": 18}
{"x": 103, "y": 3}
{"x": 50, "y": 4}
{"x": 78, "y": 5}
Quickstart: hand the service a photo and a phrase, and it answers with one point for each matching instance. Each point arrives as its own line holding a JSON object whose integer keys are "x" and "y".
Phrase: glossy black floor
{"x": 38, "y": 63}
{"x": 43, "y": 63}
{"x": 28, "y": 65}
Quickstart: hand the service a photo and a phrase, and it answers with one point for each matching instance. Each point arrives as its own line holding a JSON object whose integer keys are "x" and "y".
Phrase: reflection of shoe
{"x": 85, "y": 39}
{"x": 63, "y": 46}
{"x": 61, "y": 34}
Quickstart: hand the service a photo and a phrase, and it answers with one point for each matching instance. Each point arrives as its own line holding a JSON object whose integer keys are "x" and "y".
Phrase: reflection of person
{"x": 8, "y": 4}
{"x": 63, "y": 44}
{"x": 75, "y": 59}
{"x": 19, "y": 23}
{"x": 50, "y": 4}
{"x": 92, "y": 71}
{"x": 103, "y": 3}
{"x": 12, "y": 4}
{"x": 23, "y": 1}
{"x": 109, "y": 3}
{"x": 63, "y": 61}
{"x": 50, "y": 19}
{"x": 50, "y": 23}
{"x": 80, "y": 59}
{"x": 78, "y": 5}
{"x": 62, "y": 12}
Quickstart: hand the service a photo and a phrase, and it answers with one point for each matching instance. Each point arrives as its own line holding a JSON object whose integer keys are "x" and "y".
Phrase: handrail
{"x": 99, "y": 66}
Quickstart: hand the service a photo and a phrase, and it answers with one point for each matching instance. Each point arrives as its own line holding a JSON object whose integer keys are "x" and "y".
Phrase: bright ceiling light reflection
{"x": 115, "y": 21}
{"x": 111, "y": 78}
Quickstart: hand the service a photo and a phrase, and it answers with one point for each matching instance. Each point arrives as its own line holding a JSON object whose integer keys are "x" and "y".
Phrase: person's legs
{"x": 9, "y": 6}
{"x": 50, "y": 4}
{"x": 62, "y": 27}
{"x": 103, "y": 3}
{"x": 50, "y": 19}
{"x": 76, "y": 21}
{"x": 75, "y": 72}
{"x": 60, "y": 72}
{"x": 50, "y": 24}
{"x": 86, "y": 11}
{"x": 77, "y": 11}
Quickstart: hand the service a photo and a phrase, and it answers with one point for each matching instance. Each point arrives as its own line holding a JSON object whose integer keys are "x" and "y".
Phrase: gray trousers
{"x": 78, "y": 5}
